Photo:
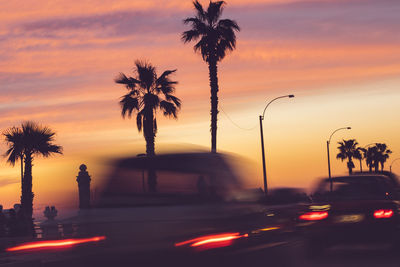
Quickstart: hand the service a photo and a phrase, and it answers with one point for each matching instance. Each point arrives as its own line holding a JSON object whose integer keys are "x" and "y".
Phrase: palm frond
{"x": 228, "y": 24}
{"x": 174, "y": 99}
{"x": 38, "y": 139}
{"x": 168, "y": 108}
{"x": 200, "y": 11}
{"x": 129, "y": 102}
{"x": 203, "y": 47}
{"x": 214, "y": 11}
{"x": 129, "y": 82}
{"x": 146, "y": 73}
{"x": 14, "y": 140}
{"x": 190, "y": 35}
{"x": 139, "y": 121}
{"x": 164, "y": 84}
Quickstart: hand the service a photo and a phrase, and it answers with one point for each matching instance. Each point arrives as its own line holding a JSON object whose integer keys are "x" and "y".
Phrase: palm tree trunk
{"x": 27, "y": 194}
{"x": 212, "y": 67}
{"x": 27, "y": 199}
{"x": 376, "y": 166}
{"x": 22, "y": 174}
{"x": 149, "y": 132}
{"x": 361, "y": 165}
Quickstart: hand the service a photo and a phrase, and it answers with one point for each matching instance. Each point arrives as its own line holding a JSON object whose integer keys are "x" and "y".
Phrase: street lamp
{"x": 262, "y": 140}
{"x": 327, "y": 147}
{"x": 392, "y": 164}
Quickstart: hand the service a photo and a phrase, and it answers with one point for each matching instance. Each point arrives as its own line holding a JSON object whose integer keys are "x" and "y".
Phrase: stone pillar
{"x": 83, "y": 180}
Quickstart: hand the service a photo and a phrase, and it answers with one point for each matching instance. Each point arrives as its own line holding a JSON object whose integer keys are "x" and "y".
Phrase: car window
{"x": 132, "y": 187}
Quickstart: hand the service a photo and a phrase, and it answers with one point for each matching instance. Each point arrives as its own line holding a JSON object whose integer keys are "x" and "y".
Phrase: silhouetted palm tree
{"x": 369, "y": 156}
{"x": 359, "y": 154}
{"x": 347, "y": 150}
{"x": 217, "y": 36}
{"x": 143, "y": 98}
{"x": 381, "y": 155}
{"x": 27, "y": 142}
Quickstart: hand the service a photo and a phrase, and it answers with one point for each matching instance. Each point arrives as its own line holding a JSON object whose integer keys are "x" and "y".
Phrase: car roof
{"x": 202, "y": 163}
{"x": 358, "y": 177}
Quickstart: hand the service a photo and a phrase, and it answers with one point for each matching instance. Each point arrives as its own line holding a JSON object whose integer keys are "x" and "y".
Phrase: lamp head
{"x": 348, "y": 128}
{"x": 290, "y": 96}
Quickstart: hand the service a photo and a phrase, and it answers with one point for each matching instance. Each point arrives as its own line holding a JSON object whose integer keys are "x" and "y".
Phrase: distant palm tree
{"x": 381, "y": 155}
{"x": 143, "y": 98}
{"x": 27, "y": 142}
{"x": 347, "y": 150}
{"x": 217, "y": 36}
{"x": 370, "y": 157}
{"x": 359, "y": 154}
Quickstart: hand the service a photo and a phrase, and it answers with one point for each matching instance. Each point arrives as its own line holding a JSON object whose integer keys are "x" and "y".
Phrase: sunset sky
{"x": 341, "y": 58}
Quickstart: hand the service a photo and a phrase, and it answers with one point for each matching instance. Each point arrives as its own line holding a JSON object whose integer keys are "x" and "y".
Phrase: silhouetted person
{"x": 2, "y": 222}
{"x": 83, "y": 180}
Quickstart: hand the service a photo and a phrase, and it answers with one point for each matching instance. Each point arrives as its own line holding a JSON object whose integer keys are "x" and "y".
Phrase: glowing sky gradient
{"x": 341, "y": 58}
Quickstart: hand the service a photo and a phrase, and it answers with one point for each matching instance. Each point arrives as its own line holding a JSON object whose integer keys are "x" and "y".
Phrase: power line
{"x": 234, "y": 123}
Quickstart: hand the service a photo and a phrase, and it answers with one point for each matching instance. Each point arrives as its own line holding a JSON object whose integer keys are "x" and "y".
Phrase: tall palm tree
{"x": 381, "y": 155}
{"x": 144, "y": 98}
{"x": 347, "y": 150}
{"x": 27, "y": 142}
{"x": 216, "y": 36}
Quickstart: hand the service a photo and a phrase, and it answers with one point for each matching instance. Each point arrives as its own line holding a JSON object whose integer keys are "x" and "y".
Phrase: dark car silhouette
{"x": 360, "y": 209}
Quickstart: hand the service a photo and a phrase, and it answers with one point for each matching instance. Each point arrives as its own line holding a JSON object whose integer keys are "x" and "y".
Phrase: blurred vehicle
{"x": 168, "y": 209}
{"x": 287, "y": 195}
{"x": 360, "y": 209}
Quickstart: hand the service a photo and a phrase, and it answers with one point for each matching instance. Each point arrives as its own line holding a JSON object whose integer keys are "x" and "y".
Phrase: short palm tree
{"x": 215, "y": 37}
{"x": 27, "y": 142}
{"x": 347, "y": 150}
{"x": 144, "y": 99}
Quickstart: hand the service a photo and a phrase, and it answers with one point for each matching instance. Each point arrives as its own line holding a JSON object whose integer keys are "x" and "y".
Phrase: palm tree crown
{"x": 214, "y": 37}
{"x": 348, "y": 150}
{"x": 143, "y": 98}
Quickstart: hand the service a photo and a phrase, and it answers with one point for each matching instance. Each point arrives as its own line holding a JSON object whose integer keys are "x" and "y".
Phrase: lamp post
{"x": 392, "y": 164}
{"x": 327, "y": 148}
{"x": 262, "y": 141}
